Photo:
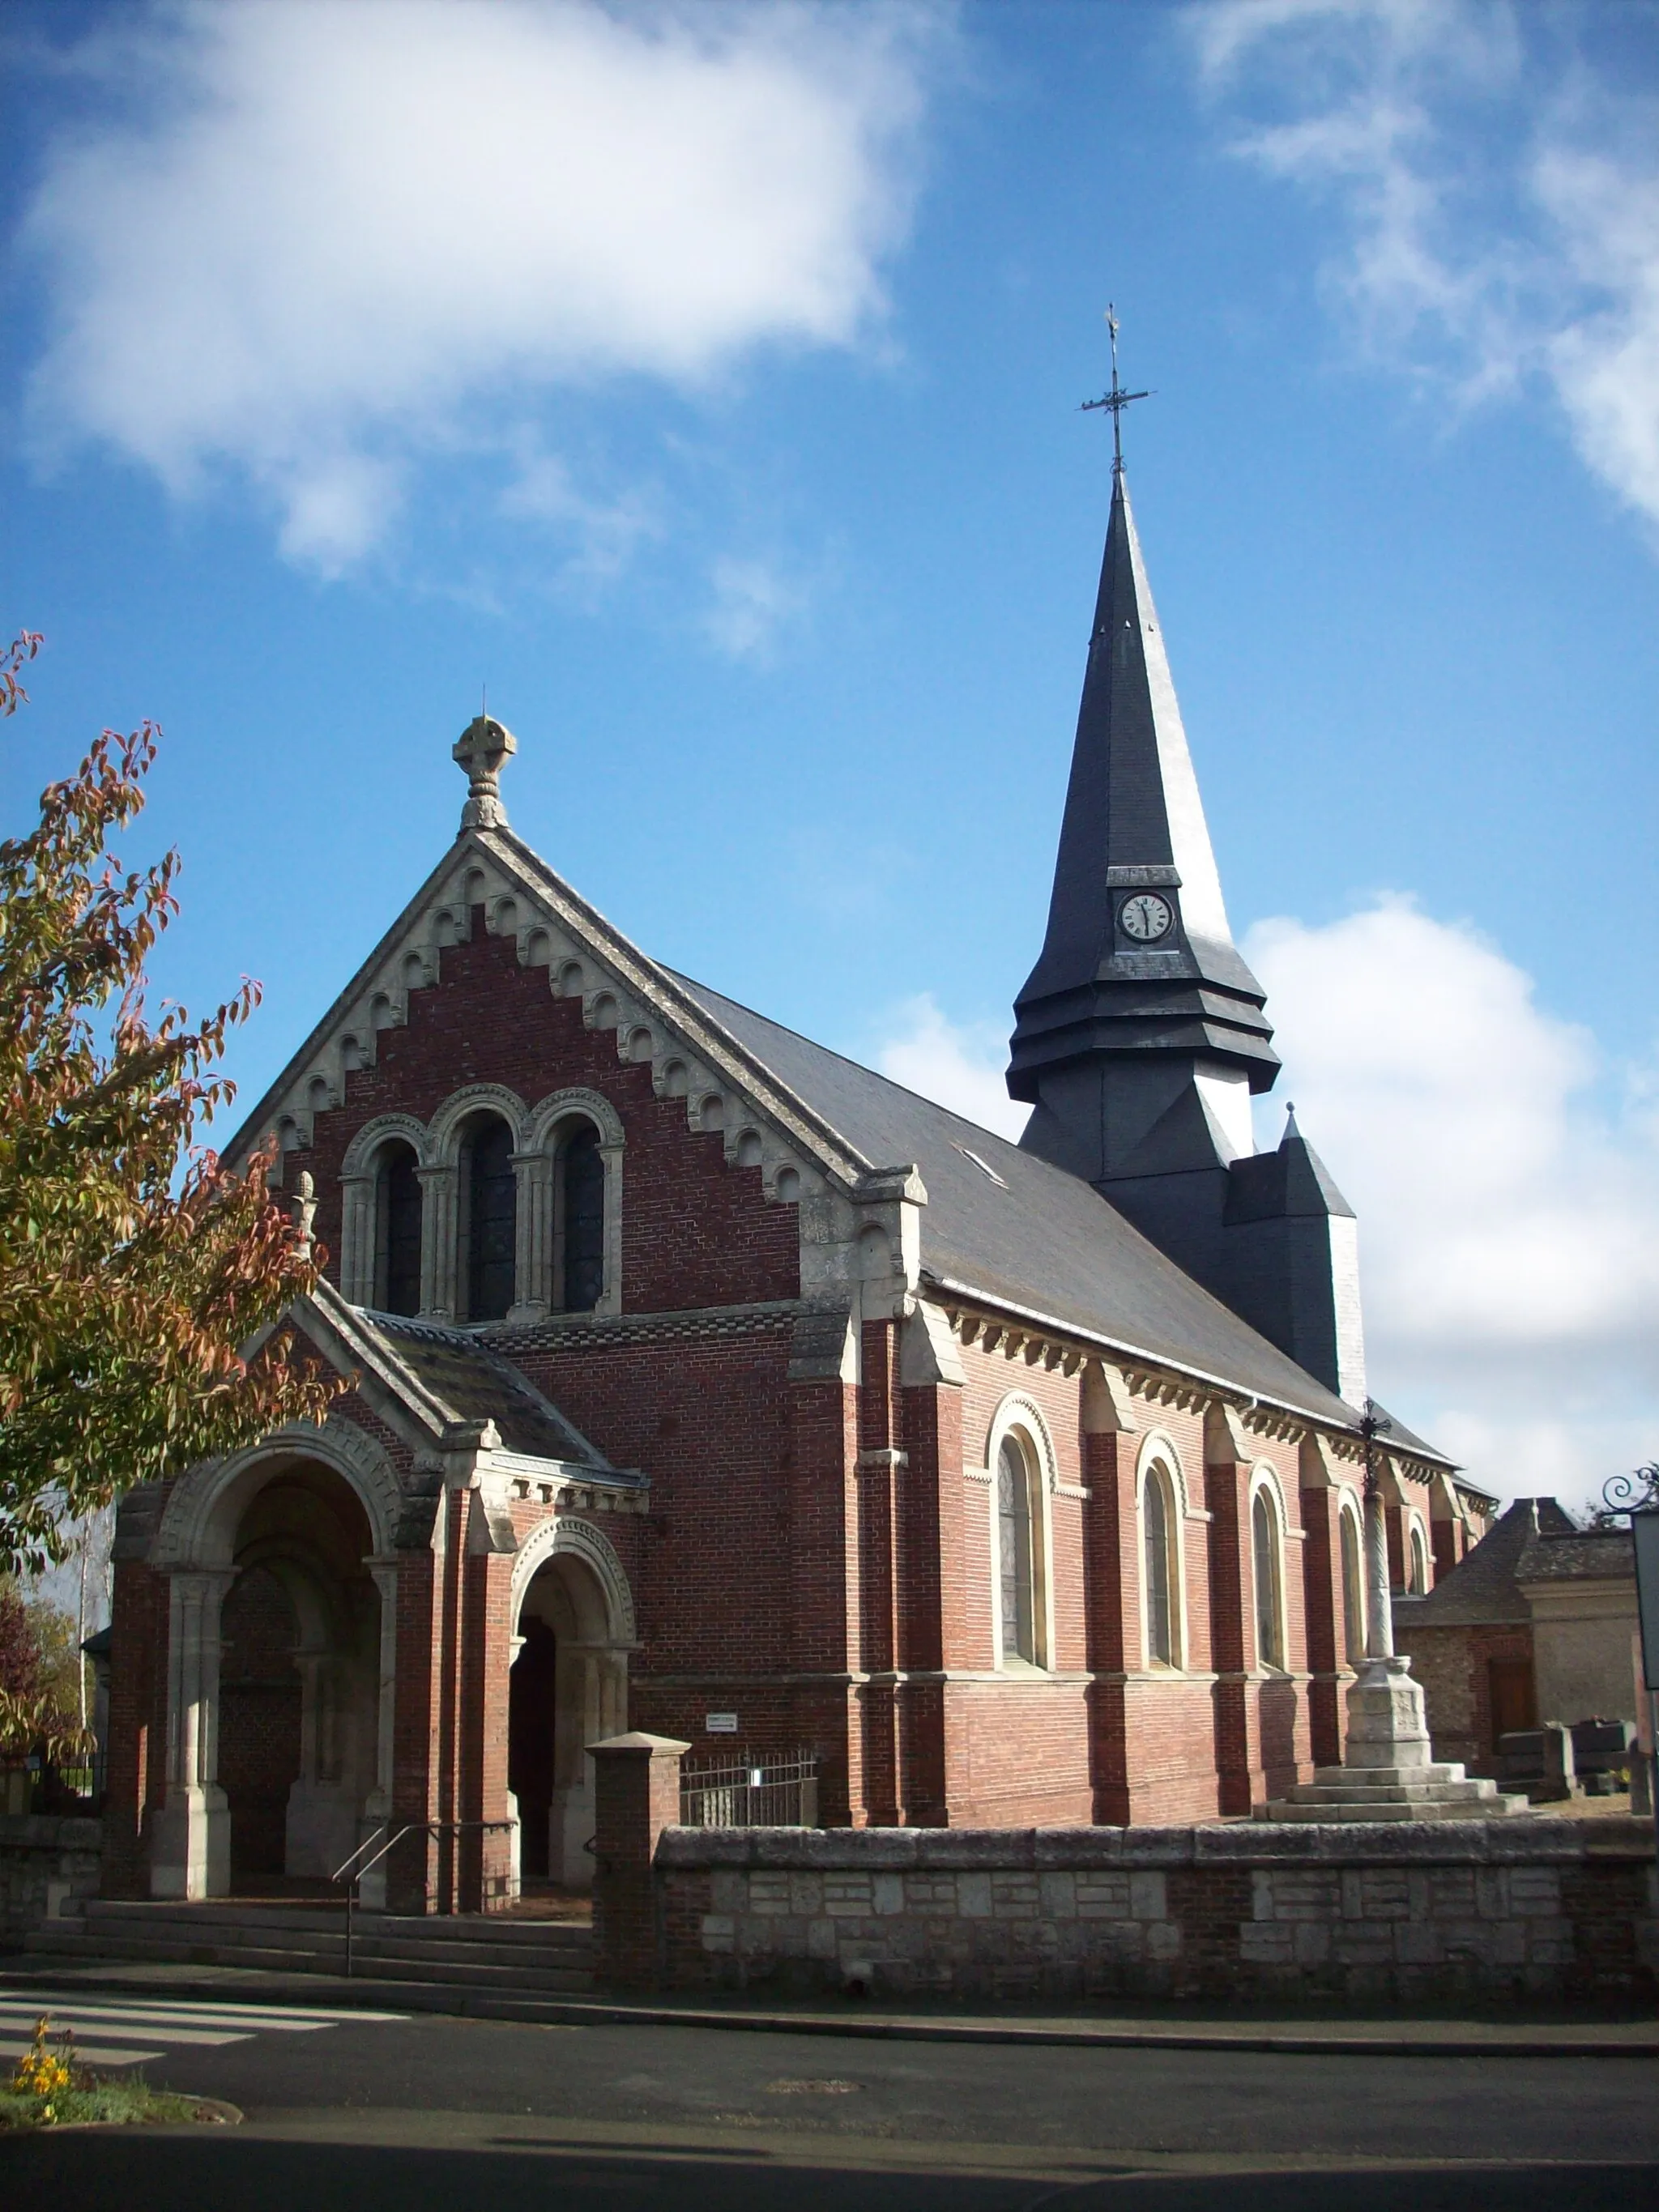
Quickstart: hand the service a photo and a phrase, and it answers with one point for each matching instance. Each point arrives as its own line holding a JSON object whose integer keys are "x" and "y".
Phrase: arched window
{"x": 1157, "y": 1540}
{"x": 581, "y": 1221}
{"x": 491, "y": 1218}
{"x": 1353, "y": 1590}
{"x": 397, "y": 1231}
{"x": 1419, "y": 1581}
{"x": 1264, "y": 1543}
{"x": 1014, "y": 1552}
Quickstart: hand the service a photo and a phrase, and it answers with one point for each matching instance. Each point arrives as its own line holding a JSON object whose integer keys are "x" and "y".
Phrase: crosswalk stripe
{"x": 44, "y": 2000}
{"x": 109, "y": 2016}
{"x": 93, "y": 2055}
{"x": 163, "y": 2031}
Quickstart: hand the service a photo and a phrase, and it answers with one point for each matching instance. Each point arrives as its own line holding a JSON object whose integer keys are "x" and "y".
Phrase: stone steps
{"x": 513, "y": 1958}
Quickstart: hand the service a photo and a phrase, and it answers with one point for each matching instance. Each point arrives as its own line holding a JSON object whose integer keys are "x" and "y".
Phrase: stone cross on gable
{"x": 484, "y": 749}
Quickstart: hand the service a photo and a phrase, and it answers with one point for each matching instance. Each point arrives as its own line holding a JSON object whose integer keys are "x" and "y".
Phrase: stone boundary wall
{"x": 1550, "y": 1908}
{"x": 49, "y": 1867}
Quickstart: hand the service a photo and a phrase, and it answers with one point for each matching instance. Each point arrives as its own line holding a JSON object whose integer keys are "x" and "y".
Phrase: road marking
{"x": 93, "y": 2055}
{"x": 154, "y": 2021}
{"x": 136, "y": 2016}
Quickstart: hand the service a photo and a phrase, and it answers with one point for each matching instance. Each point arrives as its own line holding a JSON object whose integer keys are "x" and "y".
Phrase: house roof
{"x": 1533, "y": 1540}
{"x": 1578, "y": 1555}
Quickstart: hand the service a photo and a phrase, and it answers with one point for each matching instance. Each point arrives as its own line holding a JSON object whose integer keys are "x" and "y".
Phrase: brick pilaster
{"x": 637, "y": 1796}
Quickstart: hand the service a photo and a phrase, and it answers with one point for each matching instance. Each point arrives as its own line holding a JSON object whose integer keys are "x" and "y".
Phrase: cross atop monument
{"x": 1117, "y": 398}
{"x": 484, "y": 749}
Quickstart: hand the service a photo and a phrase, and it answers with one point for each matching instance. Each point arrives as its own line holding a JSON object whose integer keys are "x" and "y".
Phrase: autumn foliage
{"x": 133, "y": 1262}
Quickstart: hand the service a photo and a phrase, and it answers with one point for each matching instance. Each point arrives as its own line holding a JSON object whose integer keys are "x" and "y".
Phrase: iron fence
{"x": 750, "y": 1790}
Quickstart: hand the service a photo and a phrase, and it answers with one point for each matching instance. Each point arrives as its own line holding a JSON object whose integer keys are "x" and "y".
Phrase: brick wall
{"x": 1541, "y": 1907}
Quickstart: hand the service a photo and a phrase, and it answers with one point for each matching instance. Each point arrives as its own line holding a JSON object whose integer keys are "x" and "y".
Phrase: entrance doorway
{"x": 299, "y": 1678}
{"x": 568, "y": 1689}
{"x": 1514, "y": 1697}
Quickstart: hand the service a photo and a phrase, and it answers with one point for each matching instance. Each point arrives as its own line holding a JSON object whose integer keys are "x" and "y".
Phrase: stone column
{"x": 637, "y": 1796}
{"x": 439, "y": 1288}
{"x": 357, "y": 1284}
{"x": 1388, "y": 1726}
{"x": 191, "y": 1856}
{"x": 533, "y": 1250}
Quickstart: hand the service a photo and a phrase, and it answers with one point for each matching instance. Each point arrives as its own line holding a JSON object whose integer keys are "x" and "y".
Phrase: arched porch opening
{"x": 300, "y": 1668}
{"x": 568, "y": 1689}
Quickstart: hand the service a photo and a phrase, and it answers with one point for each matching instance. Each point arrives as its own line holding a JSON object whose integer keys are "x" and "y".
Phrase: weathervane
{"x": 1117, "y": 398}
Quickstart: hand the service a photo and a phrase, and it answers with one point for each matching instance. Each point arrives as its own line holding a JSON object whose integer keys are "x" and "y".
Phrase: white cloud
{"x": 321, "y": 237}
{"x": 752, "y": 602}
{"x": 1499, "y": 196}
{"x": 958, "y": 1065}
{"x": 1509, "y": 1221}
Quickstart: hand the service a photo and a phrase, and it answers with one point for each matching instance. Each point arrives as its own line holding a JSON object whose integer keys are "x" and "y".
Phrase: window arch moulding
{"x": 548, "y": 1233}
{"x": 1160, "y": 1525}
{"x": 1020, "y": 1419}
{"x": 1268, "y": 1532}
{"x": 359, "y": 1227}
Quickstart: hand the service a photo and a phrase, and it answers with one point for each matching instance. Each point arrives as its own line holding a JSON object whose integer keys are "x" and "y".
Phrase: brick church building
{"x": 704, "y": 1382}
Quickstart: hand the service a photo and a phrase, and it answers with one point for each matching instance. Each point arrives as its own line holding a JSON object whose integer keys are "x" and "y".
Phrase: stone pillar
{"x": 357, "y": 1284}
{"x": 439, "y": 1289}
{"x": 533, "y": 1249}
{"x": 637, "y": 1796}
{"x": 190, "y": 1855}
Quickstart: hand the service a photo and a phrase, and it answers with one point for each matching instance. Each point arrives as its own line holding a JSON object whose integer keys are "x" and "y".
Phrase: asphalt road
{"x": 435, "y": 2114}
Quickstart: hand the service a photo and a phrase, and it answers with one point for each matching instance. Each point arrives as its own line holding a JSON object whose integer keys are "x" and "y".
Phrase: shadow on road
{"x": 133, "y": 2173}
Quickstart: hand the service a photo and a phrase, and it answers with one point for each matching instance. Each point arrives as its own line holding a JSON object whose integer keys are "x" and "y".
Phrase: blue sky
{"x": 706, "y": 382}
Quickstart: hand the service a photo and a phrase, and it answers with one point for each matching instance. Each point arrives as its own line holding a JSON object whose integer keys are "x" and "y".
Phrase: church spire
{"x": 1140, "y": 1001}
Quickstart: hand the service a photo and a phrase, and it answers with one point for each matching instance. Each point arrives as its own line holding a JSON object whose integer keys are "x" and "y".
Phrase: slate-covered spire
{"x": 1138, "y": 985}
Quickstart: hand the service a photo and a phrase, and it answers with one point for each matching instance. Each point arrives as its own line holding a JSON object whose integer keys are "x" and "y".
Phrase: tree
{"x": 133, "y": 1262}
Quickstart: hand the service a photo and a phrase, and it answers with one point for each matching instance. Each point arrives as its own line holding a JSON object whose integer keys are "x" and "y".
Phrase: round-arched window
{"x": 1158, "y": 1545}
{"x": 581, "y": 1220}
{"x": 1015, "y": 1552}
{"x": 1264, "y": 1544}
{"x": 397, "y": 1230}
{"x": 1420, "y": 1572}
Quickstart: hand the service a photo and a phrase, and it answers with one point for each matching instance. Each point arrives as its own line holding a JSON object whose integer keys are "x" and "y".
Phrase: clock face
{"x": 1146, "y": 917}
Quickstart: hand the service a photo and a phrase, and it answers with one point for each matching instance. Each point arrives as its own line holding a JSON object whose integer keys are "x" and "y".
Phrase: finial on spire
{"x": 484, "y": 749}
{"x": 1290, "y": 1129}
{"x": 1117, "y": 398}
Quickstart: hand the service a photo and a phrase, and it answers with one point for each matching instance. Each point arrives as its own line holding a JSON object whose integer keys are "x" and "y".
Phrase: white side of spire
{"x": 1202, "y": 908}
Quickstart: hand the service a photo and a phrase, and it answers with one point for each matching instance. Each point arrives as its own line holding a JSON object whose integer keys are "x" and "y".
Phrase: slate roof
{"x": 1028, "y": 1233}
{"x": 476, "y": 1384}
{"x": 1585, "y": 1555}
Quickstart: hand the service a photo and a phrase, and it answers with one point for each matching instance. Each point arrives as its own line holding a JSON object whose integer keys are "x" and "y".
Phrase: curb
{"x": 334, "y": 1995}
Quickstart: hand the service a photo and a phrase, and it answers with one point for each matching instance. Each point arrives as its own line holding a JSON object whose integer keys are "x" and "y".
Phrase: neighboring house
{"x": 1535, "y": 1625}
{"x": 708, "y": 1383}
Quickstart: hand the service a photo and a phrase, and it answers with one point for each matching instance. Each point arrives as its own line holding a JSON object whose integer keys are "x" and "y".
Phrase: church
{"x": 704, "y": 1381}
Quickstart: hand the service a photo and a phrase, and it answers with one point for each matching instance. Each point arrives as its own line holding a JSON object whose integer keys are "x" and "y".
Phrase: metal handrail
{"x": 436, "y": 1828}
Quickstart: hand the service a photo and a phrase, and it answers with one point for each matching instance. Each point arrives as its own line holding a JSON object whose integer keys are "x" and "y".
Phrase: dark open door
{"x": 1514, "y": 1700}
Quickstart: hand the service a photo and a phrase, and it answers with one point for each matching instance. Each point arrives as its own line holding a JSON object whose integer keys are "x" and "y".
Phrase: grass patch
{"x": 128, "y": 2103}
{"x": 52, "y": 2089}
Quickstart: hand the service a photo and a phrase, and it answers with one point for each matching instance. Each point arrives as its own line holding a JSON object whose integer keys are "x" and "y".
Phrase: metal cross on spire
{"x": 1117, "y": 398}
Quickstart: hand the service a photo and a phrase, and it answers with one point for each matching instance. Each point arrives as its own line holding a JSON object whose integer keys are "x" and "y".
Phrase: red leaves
{"x": 133, "y": 1264}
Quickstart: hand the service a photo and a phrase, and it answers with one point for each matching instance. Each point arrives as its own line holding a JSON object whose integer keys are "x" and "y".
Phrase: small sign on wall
{"x": 719, "y": 1723}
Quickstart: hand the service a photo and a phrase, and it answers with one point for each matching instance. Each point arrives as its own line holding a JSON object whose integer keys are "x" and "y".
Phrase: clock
{"x": 1146, "y": 917}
